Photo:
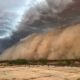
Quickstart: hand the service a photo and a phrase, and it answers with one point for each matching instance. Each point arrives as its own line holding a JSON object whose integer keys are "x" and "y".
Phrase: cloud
{"x": 58, "y": 6}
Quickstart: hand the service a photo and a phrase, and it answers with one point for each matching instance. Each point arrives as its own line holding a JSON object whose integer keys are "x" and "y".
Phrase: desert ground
{"x": 39, "y": 72}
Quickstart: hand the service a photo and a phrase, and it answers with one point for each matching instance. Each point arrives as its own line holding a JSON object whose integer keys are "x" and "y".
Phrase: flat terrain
{"x": 38, "y": 72}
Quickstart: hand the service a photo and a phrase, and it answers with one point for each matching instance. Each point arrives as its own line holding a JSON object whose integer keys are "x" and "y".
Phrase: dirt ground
{"x": 37, "y": 72}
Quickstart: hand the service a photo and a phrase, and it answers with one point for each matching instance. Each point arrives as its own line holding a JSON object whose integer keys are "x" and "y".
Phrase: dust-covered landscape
{"x": 30, "y": 72}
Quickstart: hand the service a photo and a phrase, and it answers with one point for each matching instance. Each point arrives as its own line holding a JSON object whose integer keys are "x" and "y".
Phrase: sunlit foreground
{"x": 57, "y": 44}
{"x": 39, "y": 73}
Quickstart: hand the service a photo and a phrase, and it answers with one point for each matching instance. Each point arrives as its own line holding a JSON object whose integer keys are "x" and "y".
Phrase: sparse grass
{"x": 42, "y": 62}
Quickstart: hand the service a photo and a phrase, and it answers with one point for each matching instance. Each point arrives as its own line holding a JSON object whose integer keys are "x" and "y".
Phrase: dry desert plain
{"x": 39, "y": 72}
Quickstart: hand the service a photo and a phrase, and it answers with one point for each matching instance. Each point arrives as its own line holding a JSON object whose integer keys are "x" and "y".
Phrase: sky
{"x": 11, "y": 12}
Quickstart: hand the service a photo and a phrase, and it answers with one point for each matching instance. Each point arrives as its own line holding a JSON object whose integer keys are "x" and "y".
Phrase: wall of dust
{"x": 22, "y": 18}
{"x": 54, "y": 45}
{"x": 43, "y": 38}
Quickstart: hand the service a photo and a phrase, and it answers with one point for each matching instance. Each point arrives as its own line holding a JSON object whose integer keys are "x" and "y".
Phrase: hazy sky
{"x": 11, "y": 12}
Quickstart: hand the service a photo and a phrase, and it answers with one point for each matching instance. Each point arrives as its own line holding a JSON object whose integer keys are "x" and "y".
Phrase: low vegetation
{"x": 42, "y": 62}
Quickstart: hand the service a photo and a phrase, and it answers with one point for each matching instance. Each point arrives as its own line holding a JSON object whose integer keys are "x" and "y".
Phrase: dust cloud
{"x": 61, "y": 43}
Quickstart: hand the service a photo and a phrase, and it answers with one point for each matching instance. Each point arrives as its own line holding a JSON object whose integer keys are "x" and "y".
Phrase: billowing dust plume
{"x": 56, "y": 44}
